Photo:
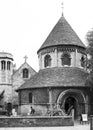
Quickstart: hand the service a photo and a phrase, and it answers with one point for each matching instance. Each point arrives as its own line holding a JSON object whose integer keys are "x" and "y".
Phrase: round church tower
{"x": 62, "y": 48}
{"x": 61, "y": 80}
{"x": 6, "y": 71}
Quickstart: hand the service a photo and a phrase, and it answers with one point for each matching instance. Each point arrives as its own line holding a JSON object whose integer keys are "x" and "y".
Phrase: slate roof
{"x": 57, "y": 77}
{"x": 62, "y": 34}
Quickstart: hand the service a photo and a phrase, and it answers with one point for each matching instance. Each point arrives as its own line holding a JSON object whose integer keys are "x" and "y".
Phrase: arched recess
{"x": 78, "y": 97}
{"x": 66, "y": 59}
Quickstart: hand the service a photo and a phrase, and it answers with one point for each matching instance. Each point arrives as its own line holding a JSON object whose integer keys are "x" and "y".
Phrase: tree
{"x": 89, "y": 50}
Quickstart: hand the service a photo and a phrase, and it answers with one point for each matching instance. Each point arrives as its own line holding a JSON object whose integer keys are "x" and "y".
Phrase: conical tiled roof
{"x": 57, "y": 77}
{"x": 62, "y": 34}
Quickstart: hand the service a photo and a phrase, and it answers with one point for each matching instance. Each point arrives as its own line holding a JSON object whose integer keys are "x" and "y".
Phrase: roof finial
{"x": 63, "y": 8}
{"x": 25, "y": 57}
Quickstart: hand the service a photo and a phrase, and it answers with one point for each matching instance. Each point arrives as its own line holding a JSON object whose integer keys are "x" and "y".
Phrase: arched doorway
{"x": 71, "y": 103}
{"x": 72, "y": 99}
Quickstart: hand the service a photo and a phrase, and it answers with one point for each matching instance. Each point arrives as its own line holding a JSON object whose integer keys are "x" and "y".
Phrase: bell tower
{"x": 6, "y": 71}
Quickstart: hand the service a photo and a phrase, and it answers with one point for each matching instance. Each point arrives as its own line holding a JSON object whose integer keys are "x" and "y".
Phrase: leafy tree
{"x": 89, "y": 50}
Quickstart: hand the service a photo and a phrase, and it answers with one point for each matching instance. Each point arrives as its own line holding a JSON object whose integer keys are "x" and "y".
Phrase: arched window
{"x": 47, "y": 60}
{"x": 82, "y": 61}
{"x": 3, "y": 65}
{"x": 8, "y": 65}
{"x": 66, "y": 60}
{"x": 25, "y": 73}
{"x": 30, "y": 97}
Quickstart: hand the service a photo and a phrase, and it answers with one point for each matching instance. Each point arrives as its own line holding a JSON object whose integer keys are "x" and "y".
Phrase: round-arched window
{"x": 83, "y": 61}
{"x": 25, "y": 73}
{"x": 8, "y": 65}
{"x": 3, "y": 65}
{"x": 47, "y": 61}
{"x": 66, "y": 60}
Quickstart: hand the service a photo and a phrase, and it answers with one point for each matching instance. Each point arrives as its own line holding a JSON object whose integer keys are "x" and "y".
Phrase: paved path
{"x": 76, "y": 127}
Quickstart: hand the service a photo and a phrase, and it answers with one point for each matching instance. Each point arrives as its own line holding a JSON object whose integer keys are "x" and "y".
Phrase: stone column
{"x": 76, "y": 58}
{"x": 50, "y": 99}
{"x": 40, "y": 60}
{"x": 86, "y": 105}
{"x": 56, "y": 58}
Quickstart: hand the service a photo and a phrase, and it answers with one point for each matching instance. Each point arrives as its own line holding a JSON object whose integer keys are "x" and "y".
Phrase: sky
{"x": 25, "y": 24}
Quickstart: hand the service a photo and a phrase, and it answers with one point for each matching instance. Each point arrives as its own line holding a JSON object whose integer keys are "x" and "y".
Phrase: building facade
{"x": 20, "y": 76}
{"x": 61, "y": 79}
{"x": 11, "y": 79}
{"x": 6, "y": 71}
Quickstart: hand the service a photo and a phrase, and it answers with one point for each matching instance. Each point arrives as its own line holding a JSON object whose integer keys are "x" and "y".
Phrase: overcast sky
{"x": 25, "y": 24}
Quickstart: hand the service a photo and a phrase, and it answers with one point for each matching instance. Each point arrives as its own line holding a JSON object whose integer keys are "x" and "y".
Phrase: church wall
{"x": 53, "y": 60}
{"x": 55, "y": 94}
{"x": 78, "y": 56}
{"x": 78, "y": 59}
{"x": 39, "y": 96}
{"x": 25, "y": 96}
{"x": 73, "y": 59}
{"x": 57, "y": 91}
{"x": 18, "y": 80}
{"x": 57, "y": 61}
{"x": 41, "y": 99}
{"x": 40, "y": 61}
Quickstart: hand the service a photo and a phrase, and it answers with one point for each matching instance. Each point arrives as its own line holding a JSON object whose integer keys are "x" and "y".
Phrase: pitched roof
{"x": 62, "y": 34}
{"x": 57, "y": 77}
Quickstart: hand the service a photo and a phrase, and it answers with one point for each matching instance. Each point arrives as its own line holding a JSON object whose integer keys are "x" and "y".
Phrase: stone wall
{"x": 56, "y": 59}
{"x": 41, "y": 95}
{"x": 36, "y": 121}
{"x": 45, "y": 98}
{"x": 39, "y": 109}
{"x": 38, "y": 96}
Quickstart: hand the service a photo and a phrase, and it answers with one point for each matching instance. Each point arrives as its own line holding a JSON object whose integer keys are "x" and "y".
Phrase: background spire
{"x": 63, "y": 8}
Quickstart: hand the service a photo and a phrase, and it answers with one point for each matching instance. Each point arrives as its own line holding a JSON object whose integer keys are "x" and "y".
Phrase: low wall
{"x": 36, "y": 121}
{"x": 39, "y": 109}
